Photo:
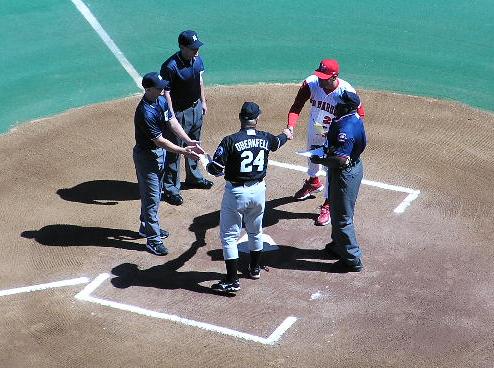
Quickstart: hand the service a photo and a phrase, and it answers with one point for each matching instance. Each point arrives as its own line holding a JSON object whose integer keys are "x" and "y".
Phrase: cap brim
{"x": 323, "y": 75}
{"x": 195, "y": 45}
{"x": 249, "y": 116}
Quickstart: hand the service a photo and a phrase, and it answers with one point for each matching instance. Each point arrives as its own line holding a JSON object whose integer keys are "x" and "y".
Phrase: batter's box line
{"x": 412, "y": 193}
{"x": 85, "y": 295}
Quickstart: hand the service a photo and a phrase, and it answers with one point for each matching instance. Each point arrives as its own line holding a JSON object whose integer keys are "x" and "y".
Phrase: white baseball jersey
{"x": 321, "y": 112}
{"x": 323, "y": 104}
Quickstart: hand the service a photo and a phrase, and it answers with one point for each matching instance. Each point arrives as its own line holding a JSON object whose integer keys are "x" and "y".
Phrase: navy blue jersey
{"x": 150, "y": 121}
{"x": 243, "y": 156}
{"x": 346, "y": 137}
{"x": 183, "y": 80}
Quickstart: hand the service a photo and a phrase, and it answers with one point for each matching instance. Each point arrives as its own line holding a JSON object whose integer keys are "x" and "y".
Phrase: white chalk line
{"x": 86, "y": 13}
{"x": 85, "y": 295}
{"x": 412, "y": 193}
{"x": 49, "y": 285}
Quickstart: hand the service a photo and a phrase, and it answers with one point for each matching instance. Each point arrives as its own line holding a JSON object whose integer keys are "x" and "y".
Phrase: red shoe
{"x": 325, "y": 216}
{"x": 310, "y": 187}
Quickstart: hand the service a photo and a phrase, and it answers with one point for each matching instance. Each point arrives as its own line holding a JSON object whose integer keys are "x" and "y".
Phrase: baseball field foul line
{"x": 412, "y": 193}
{"x": 50, "y": 285}
{"x": 85, "y": 295}
{"x": 86, "y": 13}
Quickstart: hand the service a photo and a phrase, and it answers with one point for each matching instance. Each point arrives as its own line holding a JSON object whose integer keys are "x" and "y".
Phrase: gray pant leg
{"x": 344, "y": 188}
{"x": 171, "y": 182}
{"x": 193, "y": 127}
{"x": 149, "y": 170}
{"x": 230, "y": 224}
{"x": 253, "y": 216}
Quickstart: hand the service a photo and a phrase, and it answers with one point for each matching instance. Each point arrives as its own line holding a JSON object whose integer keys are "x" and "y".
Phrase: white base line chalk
{"x": 91, "y": 19}
{"x": 50, "y": 285}
{"x": 85, "y": 295}
{"x": 412, "y": 193}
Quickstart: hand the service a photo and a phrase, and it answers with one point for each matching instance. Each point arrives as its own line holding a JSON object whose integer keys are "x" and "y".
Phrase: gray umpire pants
{"x": 191, "y": 120}
{"x": 244, "y": 202}
{"x": 150, "y": 168}
{"x": 343, "y": 192}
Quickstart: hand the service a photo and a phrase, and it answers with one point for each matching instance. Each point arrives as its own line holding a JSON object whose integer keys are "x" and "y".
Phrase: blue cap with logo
{"x": 349, "y": 102}
{"x": 189, "y": 39}
{"x": 153, "y": 79}
{"x": 350, "y": 99}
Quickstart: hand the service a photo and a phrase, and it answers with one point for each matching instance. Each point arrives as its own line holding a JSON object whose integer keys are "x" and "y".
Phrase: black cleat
{"x": 255, "y": 272}
{"x": 226, "y": 286}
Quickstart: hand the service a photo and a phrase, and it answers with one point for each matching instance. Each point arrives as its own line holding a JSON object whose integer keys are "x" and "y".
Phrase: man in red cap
{"x": 324, "y": 90}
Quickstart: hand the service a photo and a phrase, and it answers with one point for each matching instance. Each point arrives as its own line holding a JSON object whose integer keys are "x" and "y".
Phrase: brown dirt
{"x": 70, "y": 208}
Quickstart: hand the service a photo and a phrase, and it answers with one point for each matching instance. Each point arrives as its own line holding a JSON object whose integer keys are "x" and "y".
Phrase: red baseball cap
{"x": 328, "y": 68}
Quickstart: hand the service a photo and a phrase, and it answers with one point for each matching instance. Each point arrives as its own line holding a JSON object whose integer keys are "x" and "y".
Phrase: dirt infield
{"x": 70, "y": 210}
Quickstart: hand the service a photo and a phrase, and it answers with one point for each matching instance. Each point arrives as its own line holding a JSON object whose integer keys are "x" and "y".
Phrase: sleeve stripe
{"x": 217, "y": 164}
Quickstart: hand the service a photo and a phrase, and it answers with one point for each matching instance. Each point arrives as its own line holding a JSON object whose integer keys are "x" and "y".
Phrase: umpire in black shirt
{"x": 185, "y": 94}
{"x": 243, "y": 158}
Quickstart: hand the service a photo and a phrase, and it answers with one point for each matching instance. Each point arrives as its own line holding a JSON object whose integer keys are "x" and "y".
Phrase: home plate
{"x": 268, "y": 244}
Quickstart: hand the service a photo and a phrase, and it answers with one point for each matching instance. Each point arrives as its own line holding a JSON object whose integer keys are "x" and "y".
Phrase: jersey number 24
{"x": 248, "y": 161}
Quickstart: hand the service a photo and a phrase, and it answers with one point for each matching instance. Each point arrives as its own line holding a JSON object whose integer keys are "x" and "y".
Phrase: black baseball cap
{"x": 189, "y": 39}
{"x": 250, "y": 111}
{"x": 153, "y": 79}
{"x": 350, "y": 100}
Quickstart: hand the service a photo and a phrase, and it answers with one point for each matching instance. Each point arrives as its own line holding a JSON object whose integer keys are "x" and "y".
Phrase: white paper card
{"x": 315, "y": 152}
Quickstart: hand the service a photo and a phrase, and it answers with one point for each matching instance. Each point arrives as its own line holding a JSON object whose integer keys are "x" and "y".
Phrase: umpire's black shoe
{"x": 173, "y": 199}
{"x": 343, "y": 267}
{"x": 201, "y": 184}
{"x": 226, "y": 286}
{"x": 163, "y": 234}
{"x": 157, "y": 248}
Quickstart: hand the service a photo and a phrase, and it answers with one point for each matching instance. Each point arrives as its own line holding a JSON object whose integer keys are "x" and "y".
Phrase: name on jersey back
{"x": 253, "y": 142}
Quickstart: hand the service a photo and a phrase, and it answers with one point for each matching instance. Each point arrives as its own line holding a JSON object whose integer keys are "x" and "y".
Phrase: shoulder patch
{"x": 219, "y": 151}
{"x": 342, "y": 137}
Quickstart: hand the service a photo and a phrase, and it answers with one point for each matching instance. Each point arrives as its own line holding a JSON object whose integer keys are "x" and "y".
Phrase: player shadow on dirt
{"x": 167, "y": 275}
{"x": 101, "y": 192}
{"x": 63, "y": 235}
{"x": 287, "y": 257}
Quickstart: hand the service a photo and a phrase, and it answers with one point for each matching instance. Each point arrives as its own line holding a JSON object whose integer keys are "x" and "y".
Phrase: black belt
{"x": 194, "y": 104}
{"x": 242, "y": 183}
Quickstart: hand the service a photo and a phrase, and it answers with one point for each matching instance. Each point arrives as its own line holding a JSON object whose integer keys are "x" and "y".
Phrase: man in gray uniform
{"x": 243, "y": 159}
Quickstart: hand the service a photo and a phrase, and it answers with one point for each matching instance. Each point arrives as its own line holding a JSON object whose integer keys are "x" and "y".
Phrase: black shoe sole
{"x": 164, "y": 235}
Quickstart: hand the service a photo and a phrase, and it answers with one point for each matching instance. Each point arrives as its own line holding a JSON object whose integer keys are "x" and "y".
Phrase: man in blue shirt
{"x": 152, "y": 120}
{"x": 185, "y": 94}
{"x": 346, "y": 140}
